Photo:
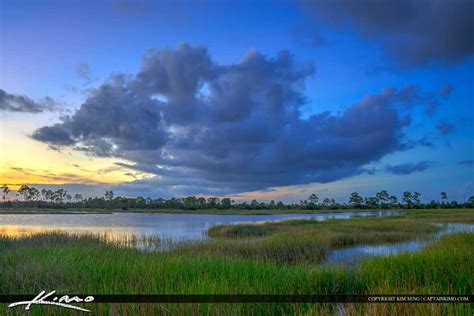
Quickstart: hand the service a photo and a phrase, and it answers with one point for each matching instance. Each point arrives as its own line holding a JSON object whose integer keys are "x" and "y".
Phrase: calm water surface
{"x": 174, "y": 227}
{"x": 126, "y": 228}
{"x": 354, "y": 255}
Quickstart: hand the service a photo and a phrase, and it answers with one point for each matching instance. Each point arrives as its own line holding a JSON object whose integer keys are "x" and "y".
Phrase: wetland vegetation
{"x": 270, "y": 258}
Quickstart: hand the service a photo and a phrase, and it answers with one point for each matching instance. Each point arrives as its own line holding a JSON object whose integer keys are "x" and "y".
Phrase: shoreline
{"x": 195, "y": 212}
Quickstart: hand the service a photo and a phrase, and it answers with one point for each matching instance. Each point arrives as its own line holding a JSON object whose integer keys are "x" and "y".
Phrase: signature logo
{"x": 63, "y": 301}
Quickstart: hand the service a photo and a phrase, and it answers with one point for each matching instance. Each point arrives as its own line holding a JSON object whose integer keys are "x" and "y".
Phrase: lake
{"x": 140, "y": 229}
{"x": 173, "y": 227}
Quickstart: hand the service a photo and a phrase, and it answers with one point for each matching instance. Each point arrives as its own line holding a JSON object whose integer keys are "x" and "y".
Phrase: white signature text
{"x": 63, "y": 301}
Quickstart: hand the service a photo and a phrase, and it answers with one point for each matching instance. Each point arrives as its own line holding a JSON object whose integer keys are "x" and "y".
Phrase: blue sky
{"x": 68, "y": 50}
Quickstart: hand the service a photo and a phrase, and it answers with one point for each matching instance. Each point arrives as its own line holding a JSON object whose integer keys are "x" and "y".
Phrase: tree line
{"x": 29, "y": 196}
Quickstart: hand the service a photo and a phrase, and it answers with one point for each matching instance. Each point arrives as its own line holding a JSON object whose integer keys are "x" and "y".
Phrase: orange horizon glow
{"x": 26, "y": 161}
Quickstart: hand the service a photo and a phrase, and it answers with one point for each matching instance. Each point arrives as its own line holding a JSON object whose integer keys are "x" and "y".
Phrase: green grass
{"x": 281, "y": 260}
{"x": 442, "y": 215}
{"x": 306, "y": 241}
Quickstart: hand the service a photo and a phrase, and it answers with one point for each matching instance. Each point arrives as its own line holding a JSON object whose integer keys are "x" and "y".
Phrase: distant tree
{"x": 254, "y": 204}
{"x": 109, "y": 195}
{"x": 59, "y": 195}
{"x": 213, "y": 202}
{"x": 78, "y": 197}
{"x": 444, "y": 197}
{"x": 433, "y": 204}
{"x": 416, "y": 199}
{"x": 311, "y": 203}
{"x": 272, "y": 204}
{"x": 201, "y": 202}
{"x": 5, "y": 190}
{"x": 355, "y": 200}
{"x": 313, "y": 198}
{"x": 43, "y": 194}
{"x": 454, "y": 204}
{"x": 471, "y": 201}
{"x": 382, "y": 198}
{"x": 25, "y": 191}
{"x": 393, "y": 201}
{"x": 407, "y": 199}
{"x": 371, "y": 202}
{"x": 50, "y": 195}
{"x": 33, "y": 193}
{"x": 190, "y": 202}
{"x": 226, "y": 203}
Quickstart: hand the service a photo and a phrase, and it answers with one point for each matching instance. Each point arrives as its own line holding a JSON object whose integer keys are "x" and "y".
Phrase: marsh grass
{"x": 282, "y": 262}
{"x": 57, "y": 237}
{"x": 442, "y": 215}
{"x": 80, "y": 266}
{"x": 307, "y": 241}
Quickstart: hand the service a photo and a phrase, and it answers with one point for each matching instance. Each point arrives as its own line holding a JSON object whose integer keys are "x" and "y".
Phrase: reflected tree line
{"x": 29, "y": 196}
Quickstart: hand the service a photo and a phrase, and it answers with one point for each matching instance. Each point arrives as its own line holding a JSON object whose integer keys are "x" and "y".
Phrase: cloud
{"x": 19, "y": 103}
{"x": 83, "y": 71}
{"x": 468, "y": 162}
{"x": 200, "y": 126}
{"x": 445, "y": 90}
{"x": 408, "y": 168}
{"x": 444, "y": 127}
{"x": 413, "y": 32}
{"x": 431, "y": 108}
{"x": 53, "y": 176}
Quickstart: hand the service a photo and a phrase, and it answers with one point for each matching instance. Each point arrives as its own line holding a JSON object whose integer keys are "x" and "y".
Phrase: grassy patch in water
{"x": 307, "y": 241}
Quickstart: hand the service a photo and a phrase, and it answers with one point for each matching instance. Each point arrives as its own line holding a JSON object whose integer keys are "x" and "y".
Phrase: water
{"x": 170, "y": 227}
{"x": 354, "y": 255}
{"x": 140, "y": 230}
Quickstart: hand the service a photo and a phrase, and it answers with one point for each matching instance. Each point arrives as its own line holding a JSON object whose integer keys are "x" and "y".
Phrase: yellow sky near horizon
{"x": 26, "y": 161}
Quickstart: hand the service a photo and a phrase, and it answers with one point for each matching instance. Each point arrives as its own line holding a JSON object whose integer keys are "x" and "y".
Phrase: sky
{"x": 249, "y": 99}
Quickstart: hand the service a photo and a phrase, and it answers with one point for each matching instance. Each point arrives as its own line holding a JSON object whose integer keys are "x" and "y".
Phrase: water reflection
{"x": 160, "y": 231}
{"x": 170, "y": 228}
{"x": 356, "y": 254}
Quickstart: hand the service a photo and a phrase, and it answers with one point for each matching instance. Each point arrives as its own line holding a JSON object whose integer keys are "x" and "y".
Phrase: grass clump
{"x": 240, "y": 231}
{"x": 307, "y": 241}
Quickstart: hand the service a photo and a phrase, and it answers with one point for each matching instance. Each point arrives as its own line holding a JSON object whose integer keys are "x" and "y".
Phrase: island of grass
{"x": 269, "y": 258}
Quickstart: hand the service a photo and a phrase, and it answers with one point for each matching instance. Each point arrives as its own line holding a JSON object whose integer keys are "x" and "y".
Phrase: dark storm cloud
{"x": 19, "y": 103}
{"x": 414, "y": 32}
{"x": 431, "y": 108}
{"x": 445, "y": 90}
{"x": 466, "y": 162}
{"x": 444, "y": 127}
{"x": 408, "y": 168}
{"x": 200, "y": 126}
